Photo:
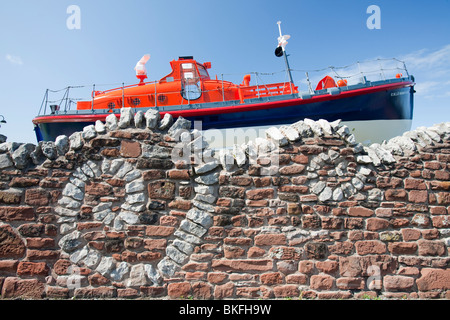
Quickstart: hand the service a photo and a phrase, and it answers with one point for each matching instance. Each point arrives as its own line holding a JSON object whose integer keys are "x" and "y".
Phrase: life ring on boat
{"x": 398, "y": 75}
{"x": 342, "y": 83}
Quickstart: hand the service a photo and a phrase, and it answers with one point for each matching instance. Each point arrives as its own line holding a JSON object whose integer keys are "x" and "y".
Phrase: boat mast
{"x": 282, "y": 43}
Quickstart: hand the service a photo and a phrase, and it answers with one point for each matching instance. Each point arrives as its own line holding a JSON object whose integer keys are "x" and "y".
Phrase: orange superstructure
{"x": 189, "y": 82}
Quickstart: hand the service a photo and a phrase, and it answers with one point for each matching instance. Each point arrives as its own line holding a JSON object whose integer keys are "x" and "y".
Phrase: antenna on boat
{"x": 281, "y": 51}
{"x": 141, "y": 72}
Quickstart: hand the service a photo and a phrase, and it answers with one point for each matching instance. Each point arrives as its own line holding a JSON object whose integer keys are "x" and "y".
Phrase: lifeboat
{"x": 188, "y": 91}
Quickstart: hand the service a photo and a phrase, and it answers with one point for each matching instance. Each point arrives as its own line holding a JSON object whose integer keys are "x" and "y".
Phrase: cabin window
{"x": 136, "y": 101}
{"x": 190, "y": 82}
{"x": 203, "y": 73}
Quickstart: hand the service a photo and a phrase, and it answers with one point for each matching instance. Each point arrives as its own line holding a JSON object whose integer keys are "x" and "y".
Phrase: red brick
{"x": 321, "y": 282}
{"x": 160, "y": 231}
{"x": 179, "y": 290}
{"x": 99, "y": 292}
{"x": 398, "y": 283}
{"x": 300, "y": 158}
{"x": 431, "y": 248}
{"x": 417, "y": 196}
{"x": 23, "y": 182}
{"x": 217, "y": 277}
{"x": 240, "y": 181}
{"x": 16, "y": 214}
{"x": 270, "y": 239}
{"x": 179, "y": 174}
{"x": 28, "y": 288}
{"x": 296, "y": 279}
{"x": 259, "y": 194}
{"x": 271, "y": 278}
{"x": 360, "y": 212}
{"x": 37, "y": 243}
{"x": 98, "y": 189}
{"x": 434, "y": 279}
{"x": 370, "y": 247}
{"x": 32, "y": 268}
{"x": 395, "y": 195}
{"x": 37, "y": 197}
{"x": 443, "y": 198}
{"x": 201, "y": 290}
{"x": 10, "y": 197}
{"x": 224, "y": 291}
{"x": 161, "y": 190}
{"x": 155, "y": 244}
{"x": 292, "y": 169}
{"x": 327, "y": 266}
{"x": 130, "y": 149}
{"x": 375, "y": 224}
{"x": 350, "y": 283}
{"x": 402, "y": 247}
{"x": 11, "y": 245}
{"x": 8, "y": 266}
{"x": 286, "y": 291}
{"x": 255, "y": 252}
{"x": 242, "y": 265}
{"x": 441, "y": 221}
{"x": 417, "y": 184}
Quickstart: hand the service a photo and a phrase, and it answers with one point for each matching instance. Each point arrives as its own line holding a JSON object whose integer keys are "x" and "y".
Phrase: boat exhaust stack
{"x": 141, "y": 71}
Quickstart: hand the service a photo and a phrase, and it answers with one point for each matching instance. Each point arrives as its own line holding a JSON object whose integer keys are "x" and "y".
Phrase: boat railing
{"x": 357, "y": 74}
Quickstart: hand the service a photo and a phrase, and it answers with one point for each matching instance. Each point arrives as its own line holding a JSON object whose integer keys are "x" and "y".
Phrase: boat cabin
{"x": 188, "y": 83}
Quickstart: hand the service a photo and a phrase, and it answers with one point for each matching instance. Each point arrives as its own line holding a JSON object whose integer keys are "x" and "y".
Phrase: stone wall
{"x": 140, "y": 207}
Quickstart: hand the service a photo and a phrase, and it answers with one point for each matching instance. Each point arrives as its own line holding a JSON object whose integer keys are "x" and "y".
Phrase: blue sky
{"x": 38, "y": 51}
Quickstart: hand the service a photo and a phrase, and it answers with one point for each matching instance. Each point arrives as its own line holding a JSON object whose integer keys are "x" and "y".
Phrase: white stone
{"x": 315, "y": 127}
{"x": 326, "y": 194}
{"x": 290, "y": 133}
{"x": 62, "y": 144}
{"x": 92, "y": 259}
{"x": 124, "y": 169}
{"x": 120, "y": 271}
{"x": 206, "y": 167}
{"x": 5, "y": 161}
{"x": 139, "y": 119}
{"x": 152, "y": 118}
{"x": 134, "y": 186}
{"x": 78, "y": 255}
{"x": 69, "y": 203}
{"x": 111, "y": 122}
{"x": 76, "y": 141}
{"x": 338, "y": 195}
{"x": 105, "y": 265}
{"x": 135, "y": 198}
{"x": 183, "y": 246}
{"x": 132, "y": 175}
{"x": 188, "y": 237}
{"x": 318, "y": 187}
{"x": 166, "y": 121}
{"x": 126, "y": 117}
{"x": 326, "y": 127}
{"x": 200, "y": 217}
{"x": 100, "y": 127}
{"x": 89, "y": 132}
{"x": 152, "y": 274}
{"x": 102, "y": 206}
{"x": 167, "y": 267}
{"x": 208, "y": 179}
{"x": 239, "y": 155}
{"x": 176, "y": 255}
{"x": 115, "y": 165}
{"x": 73, "y": 191}
{"x": 275, "y": 134}
{"x": 358, "y": 184}
{"x": 137, "y": 276}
